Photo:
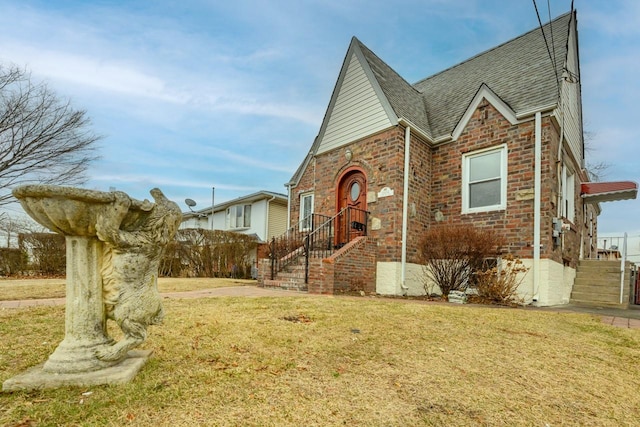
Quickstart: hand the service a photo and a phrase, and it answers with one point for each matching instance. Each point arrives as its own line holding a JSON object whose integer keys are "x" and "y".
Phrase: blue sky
{"x": 230, "y": 94}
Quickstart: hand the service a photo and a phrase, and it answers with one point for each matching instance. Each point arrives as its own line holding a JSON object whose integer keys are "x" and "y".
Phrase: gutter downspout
{"x": 405, "y": 209}
{"x": 288, "y": 206}
{"x": 537, "y": 206}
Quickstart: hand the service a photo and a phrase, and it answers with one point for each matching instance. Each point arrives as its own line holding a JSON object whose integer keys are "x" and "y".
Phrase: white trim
{"x": 301, "y": 212}
{"x": 537, "y": 207}
{"x": 484, "y": 93}
{"x": 502, "y": 148}
{"x": 405, "y": 208}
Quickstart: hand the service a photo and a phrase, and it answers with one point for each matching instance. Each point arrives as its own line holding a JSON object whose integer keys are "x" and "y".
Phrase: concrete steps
{"x": 597, "y": 284}
{"x": 290, "y": 278}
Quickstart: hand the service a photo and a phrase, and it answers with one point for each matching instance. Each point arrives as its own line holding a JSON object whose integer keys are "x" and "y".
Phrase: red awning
{"x": 596, "y": 192}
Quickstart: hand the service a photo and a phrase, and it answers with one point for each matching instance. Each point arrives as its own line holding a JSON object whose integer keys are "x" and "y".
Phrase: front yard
{"x": 342, "y": 361}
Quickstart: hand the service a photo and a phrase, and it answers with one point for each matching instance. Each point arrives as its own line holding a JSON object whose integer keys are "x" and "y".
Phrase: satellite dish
{"x": 191, "y": 203}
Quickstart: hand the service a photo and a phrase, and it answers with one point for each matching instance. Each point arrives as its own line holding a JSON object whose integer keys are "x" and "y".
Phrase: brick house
{"x": 495, "y": 141}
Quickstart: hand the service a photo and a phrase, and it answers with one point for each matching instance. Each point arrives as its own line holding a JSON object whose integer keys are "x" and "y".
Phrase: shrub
{"x": 451, "y": 254}
{"x": 12, "y": 261}
{"x": 47, "y": 252}
{"x": 500, "y": 284}
{"x": 208, "y": 253}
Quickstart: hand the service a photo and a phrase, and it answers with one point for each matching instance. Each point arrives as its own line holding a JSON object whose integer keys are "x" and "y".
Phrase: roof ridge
{"x": 550, "y": 23}
{"x": 362, "y": 45}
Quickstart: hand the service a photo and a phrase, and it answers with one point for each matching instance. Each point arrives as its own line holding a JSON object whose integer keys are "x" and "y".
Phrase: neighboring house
{"x": 495, "y": 141}
{"x": 616, "y": 246}
{"x": 263, "y": 214}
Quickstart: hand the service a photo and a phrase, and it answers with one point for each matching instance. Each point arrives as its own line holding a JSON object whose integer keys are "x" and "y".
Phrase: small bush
{"x": 12, "y": 261}
{"x": 208, "y": 253}
{"x": 47, "y": 252}
{"x": 451, "y": 254}
{"x": 500, "y": 284}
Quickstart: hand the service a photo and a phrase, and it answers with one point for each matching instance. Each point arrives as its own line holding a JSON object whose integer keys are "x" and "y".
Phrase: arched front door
{"x": 352, "y": 194}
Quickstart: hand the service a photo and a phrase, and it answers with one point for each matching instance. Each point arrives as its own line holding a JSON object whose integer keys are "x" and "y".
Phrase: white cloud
{"x": 92, "y": 72}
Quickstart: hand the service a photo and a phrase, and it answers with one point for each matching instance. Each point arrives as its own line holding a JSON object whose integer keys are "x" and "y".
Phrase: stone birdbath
{"x": 76, "y": 213}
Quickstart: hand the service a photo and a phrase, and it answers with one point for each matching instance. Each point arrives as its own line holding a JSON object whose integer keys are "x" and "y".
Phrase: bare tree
{"x": 11, "y": 226}
{"x": 598, "y": 170}
{"x": 43, "y": 139}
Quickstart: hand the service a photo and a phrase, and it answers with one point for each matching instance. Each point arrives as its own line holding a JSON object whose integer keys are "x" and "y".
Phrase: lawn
{"x": 22, "y": 289}
{"x": 342, "y": 361}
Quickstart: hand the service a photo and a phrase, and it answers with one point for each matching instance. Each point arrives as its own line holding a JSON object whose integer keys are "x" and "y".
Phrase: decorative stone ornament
{"x": 114, "y": 245}
{"x": 348, "y": 154}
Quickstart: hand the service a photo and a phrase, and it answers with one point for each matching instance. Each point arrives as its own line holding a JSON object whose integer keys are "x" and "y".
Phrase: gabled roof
{"x": 519, "y": 71}
{"x": 406, "y": 100}
{"x": 518, "y": 75}
{"x": 253, "y": 197}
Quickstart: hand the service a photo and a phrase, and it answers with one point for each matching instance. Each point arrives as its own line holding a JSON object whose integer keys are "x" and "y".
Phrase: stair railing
{"x": 286, "y": 249}
{"x": 316, "y": 236}
{"x": 333, "y": 234}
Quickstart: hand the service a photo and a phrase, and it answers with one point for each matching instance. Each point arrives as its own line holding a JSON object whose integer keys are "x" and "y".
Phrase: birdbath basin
{"x": 73, "y": 212}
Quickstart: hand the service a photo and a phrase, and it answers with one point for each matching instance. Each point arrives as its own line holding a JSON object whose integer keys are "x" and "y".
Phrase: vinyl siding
{"x": 277, "y": 220}
{"x": 357, "y": 111}
{"x": 571, "y": 105}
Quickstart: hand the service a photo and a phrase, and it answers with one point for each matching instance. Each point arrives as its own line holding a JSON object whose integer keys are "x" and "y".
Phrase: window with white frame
{"x": 239, "y": 216}
{"x": 306, "y": 209}
{"x": 484, "y": 180}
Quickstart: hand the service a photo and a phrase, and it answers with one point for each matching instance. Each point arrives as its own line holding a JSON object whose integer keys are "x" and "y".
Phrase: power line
{"x": 546, "y": 43}
{"x": 553, "y": 43}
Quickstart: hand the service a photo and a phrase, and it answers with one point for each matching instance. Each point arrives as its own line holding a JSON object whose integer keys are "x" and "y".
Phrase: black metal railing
{"x": 318, "y": 236}
{"x": 287, "y": 248}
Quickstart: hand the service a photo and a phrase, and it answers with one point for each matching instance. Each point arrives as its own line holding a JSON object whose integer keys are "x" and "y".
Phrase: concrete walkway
{"x": 616, "y": 317}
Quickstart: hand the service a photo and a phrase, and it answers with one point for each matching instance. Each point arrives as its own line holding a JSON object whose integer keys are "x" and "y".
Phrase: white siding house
{"x": 263, "y": 214}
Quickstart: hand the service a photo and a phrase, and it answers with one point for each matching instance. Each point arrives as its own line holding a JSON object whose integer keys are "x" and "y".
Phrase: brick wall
{"x": 488, "y": 128}
{"x": 436, "y": 182}
{"x": 381, "y": 158}
{"x": 350, "y": 269}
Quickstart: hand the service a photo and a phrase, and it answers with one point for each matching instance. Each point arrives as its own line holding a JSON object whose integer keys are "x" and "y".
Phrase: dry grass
{"x": 22, "y": 289}
{"x": 343, "y": 361}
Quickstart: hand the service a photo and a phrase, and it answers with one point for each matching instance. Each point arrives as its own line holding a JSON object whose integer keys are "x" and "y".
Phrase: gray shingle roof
{"x": 519, "y": 71}
{"x": 405, "y": 99}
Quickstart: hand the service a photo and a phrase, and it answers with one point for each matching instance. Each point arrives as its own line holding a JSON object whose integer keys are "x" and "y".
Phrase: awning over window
{"x": 596, "y": 192}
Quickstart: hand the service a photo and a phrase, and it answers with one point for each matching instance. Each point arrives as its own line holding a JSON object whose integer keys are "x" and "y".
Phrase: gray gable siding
{"x": 571, "y": 105}
{"x": 357, "y": 112}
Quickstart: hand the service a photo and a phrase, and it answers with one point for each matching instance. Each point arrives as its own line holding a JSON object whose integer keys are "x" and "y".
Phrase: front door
{"x": 352, "y": 194}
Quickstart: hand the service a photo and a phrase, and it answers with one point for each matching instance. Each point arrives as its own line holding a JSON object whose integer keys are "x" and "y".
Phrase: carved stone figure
{"x": 130, "y": 264}
{"x": 114, "y": 246}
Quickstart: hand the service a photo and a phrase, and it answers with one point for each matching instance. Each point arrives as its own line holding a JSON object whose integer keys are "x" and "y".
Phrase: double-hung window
{"x": 484, "y": 180}
{"x": 239, "y": 216}
{"x": 306, "y": 210}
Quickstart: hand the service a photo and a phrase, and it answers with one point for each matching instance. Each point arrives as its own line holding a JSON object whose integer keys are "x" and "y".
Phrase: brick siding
{"x": 351, "y": 269}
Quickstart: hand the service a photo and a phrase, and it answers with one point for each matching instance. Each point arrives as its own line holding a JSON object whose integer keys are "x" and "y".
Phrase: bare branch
{"x": 43, "y": 139}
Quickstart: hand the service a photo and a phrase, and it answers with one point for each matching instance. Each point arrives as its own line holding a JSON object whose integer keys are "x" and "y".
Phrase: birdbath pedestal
{"x": 73, "y": 212}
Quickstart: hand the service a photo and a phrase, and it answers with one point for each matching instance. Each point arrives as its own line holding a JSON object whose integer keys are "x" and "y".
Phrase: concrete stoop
{"x": 597, "y": 284}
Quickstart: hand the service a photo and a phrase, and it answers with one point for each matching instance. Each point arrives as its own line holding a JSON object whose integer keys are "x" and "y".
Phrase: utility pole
{"x": 213, "y": 198}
